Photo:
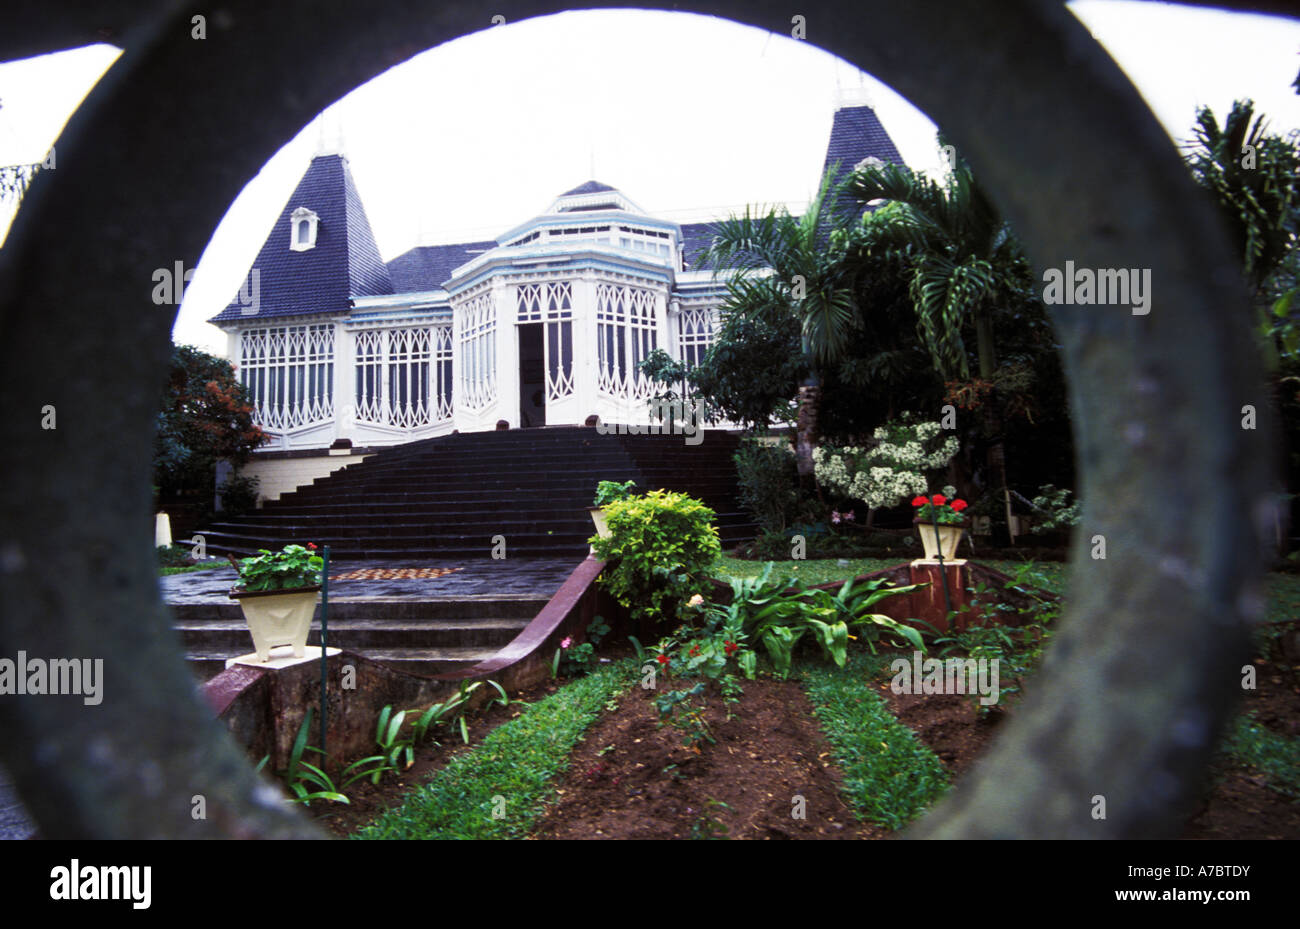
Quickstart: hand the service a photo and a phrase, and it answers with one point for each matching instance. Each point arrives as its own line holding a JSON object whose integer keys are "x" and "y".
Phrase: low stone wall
{"x": 280, "y": 474}
{"x": 264, "y": 709}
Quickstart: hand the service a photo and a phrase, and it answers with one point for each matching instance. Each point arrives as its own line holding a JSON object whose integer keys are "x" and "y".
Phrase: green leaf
{"x": 394, "y": 727}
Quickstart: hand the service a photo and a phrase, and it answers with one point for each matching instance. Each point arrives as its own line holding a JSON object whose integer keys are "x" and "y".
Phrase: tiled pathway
{"x": 474, "y": 578}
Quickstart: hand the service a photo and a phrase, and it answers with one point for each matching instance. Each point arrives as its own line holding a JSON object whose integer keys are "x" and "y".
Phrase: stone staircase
{"x": 449, "y": 497}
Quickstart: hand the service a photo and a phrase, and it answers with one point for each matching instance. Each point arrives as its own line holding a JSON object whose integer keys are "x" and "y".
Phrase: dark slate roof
{"x": 857, "y": 134}
{"x": 428, "y": 267}
{"x": 345, "y": 262}
{"x": 591, "y": 187}
{"x": 696, "y": 237}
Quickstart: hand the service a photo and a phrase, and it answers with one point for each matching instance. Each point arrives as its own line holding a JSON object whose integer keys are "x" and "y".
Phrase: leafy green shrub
{"x": 239, "y": 495}
{"x": 609, "y": 491}
{"x": 779, "y": 613}
{"x": 769, "y": 484}
{"x": 659, "y": 544}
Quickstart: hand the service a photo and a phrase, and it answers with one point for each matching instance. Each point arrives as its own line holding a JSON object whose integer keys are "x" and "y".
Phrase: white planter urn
{"x": 278, "y": 617}
{"x": 598, "y": 517}
{"x": 948, "y": 537}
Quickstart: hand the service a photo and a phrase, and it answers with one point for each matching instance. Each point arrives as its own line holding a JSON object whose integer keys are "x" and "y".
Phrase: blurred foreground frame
{"x": 1141, "y": 678}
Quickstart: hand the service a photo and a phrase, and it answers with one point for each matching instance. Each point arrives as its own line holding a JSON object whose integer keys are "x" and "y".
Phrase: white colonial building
{"x": 544, "y": 325}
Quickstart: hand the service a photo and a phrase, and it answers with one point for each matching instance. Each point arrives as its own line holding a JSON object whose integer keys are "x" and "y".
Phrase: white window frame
{"x": 296, "y": 219}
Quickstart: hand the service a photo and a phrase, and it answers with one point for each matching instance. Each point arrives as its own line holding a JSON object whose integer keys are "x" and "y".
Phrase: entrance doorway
{"x": 532, "y": 375}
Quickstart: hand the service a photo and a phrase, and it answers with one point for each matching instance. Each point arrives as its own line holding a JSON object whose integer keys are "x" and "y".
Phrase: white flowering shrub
{"x": 890, "y": 472}
{"x": 1056, "y": 510}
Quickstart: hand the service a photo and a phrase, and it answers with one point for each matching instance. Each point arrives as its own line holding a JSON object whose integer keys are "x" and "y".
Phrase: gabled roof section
{"x": 428, "y": 267}
{"x": 344, "y": 263}
{"x": 857, "y": 134}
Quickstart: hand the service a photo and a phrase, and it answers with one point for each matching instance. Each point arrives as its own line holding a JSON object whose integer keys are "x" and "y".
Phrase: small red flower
{"x": 663, "y": 659}
{"x": 919, "y": 501}
{"x": 695, "y": 650}
{"x": 311, "y": 545}
{"x": 959, "y": 505}
{"x": 939, "y": 499}
{"x": 730, "y": 647}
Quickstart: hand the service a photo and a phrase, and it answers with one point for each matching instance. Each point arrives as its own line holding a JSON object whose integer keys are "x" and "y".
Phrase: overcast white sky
{"x": 453, "y": 146}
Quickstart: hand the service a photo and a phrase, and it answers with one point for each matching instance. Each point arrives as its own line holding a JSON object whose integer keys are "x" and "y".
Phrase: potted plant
{"x": 278, "y": 594}
{"x": 606, "y": 493}
{"x": 940, "y": 525}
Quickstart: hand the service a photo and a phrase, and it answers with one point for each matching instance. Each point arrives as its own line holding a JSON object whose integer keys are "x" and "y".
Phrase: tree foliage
{"x": 1254, "y": 177}
{"x": 204, "y": 417}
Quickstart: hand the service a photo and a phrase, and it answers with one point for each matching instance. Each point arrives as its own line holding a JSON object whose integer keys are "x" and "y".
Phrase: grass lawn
{"x": 1045, "y": 574}
{"x": 890, "y": 778}
{"x": 186, "y": 569}
{"x": 498, "y": 789}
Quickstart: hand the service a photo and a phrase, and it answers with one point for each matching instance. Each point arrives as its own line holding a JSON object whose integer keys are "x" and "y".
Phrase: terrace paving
{"x": 422, "y": 625}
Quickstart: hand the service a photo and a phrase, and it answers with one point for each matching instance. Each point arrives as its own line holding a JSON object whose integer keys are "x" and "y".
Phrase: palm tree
{"x": 1255, "y": 179}
{"x": 964, "y": 259}
{"x": 965, "y": 265}
{"x": 789, "y": 265}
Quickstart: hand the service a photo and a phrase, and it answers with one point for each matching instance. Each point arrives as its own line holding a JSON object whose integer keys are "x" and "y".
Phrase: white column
{"x": 345, "y": 377}
{"x": 671, "y": 344}
{"x": 585, "y": 367}
{"x": 507, "y": 348}
{"x": 663, "y": 334}
{"x": 232, "y": 347}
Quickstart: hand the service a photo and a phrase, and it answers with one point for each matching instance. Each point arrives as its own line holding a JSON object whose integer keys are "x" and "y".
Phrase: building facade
{"x": 544, "y": 325}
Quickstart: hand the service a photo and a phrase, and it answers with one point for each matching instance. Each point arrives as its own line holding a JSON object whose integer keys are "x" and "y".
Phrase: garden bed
{"x": 631, "y": 779}
{"x": 857, "y": 760}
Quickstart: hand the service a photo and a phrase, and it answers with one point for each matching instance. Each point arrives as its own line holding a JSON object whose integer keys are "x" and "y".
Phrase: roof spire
{"x": 846, "y": 97}
{"x": 329, "y": 129}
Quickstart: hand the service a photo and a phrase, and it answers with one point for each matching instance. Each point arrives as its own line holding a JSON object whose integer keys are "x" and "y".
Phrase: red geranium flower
{"x": 959, "y": 505}
{"x": 663, "y": 659}
{"x": 730, "y": 647}
{"x": 311, "y": 545}
{"x": 919, "y": 501}
{"x": 939, "y": 499}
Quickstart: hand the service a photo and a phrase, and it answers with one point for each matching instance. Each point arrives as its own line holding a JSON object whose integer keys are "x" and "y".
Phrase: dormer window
{"x": 302, "y": 229}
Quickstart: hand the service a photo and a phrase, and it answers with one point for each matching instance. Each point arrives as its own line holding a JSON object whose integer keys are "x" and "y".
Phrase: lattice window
{"x": 559, "y": 359}
{"x": 625, "y": 335}
{"x": 611, "y": 338}
{"x": 695, "y": 331}
{"x": 478, "y": 352}
{"x": 552, "y": 300}
{"x": 552, "y": 303}
{"x": 442, "y": 373}
{"x": 403, "y": 376}
{"x": 289, "y": 373}
{"x": 369, "y": 400}
{"x": 643, "y": 339}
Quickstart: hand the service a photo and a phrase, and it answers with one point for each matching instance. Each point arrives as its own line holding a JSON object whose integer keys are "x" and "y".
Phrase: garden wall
{"x": 280, "y": 473}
